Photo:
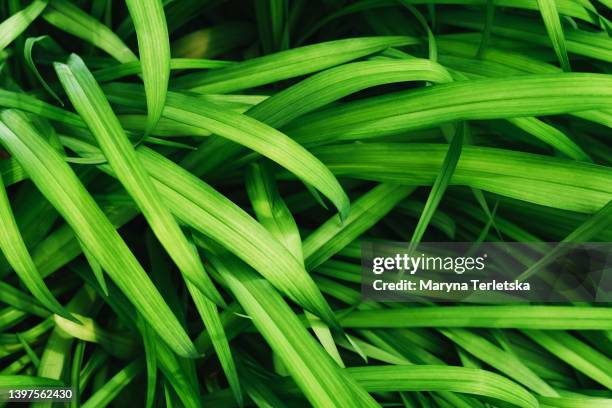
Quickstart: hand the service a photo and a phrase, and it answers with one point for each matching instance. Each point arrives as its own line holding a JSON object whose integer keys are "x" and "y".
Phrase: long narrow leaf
{"x": 552, "y": 22}
{"x": 17, "y": 254}
{"x": 91, "y": 104}
{"x": 61, "y": 187}
{"x": 439, "y": 186}
{"x": 154, "y": 49}
{"x": 12, "y": 27}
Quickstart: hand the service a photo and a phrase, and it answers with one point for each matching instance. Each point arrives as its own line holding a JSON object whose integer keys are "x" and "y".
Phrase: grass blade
{"x": 504, "y": 361}
{"x": 322, "y": 381}
{"x": 13, "y": 26}
{"x": 23, "y": 381}
{"x": 332, "y": 236}
{"x": 262, "y": 139}
{"x": 527, "y": 317}
{"x": 553, "y": 182}
{"x": 286, "y": 64}
{"x": 434, "y": 378}
{"x": 27, "y": 53}
{"x": 552, "y": 22}
{"x": 271, "y": 210}
{"x": 589, "y": 229}
{"x": 70, "y": 18}
{"x": 75, "y": 373}
{"x": 576, "y": 353}
{"x": 77, "y": 207}
{"x": 273, "y": 214}
{"x": 439, "y": 186}
{"x": 154, "y": 49}
{"x": 16, "y": 252}
{"x": 93, "y": 107}
{"x": 212, "y": 214}
{"x": 109, "y": 391}
{"x": 210, "y": 316}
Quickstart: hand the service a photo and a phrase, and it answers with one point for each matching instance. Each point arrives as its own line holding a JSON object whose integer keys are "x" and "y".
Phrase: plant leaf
{"x": 439, "y": 186}
{"x": 16, "y": 24}
{"x": 552, "y": 22}
{"x": 515, "y": 316}
{"x": 93, "y": 107}
{"x": 61, "y": 187}
{"x": 19, "y": 258}
{"x": 154, "y": 49}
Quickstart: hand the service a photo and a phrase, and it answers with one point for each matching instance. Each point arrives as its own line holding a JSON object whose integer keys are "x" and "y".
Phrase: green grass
{"x": 185, "y": 186}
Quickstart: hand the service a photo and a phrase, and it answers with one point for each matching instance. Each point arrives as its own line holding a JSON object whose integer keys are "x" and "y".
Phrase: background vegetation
{"x": 186, "y": 184}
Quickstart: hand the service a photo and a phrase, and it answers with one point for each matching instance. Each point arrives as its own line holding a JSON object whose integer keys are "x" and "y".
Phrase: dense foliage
{"x": 186, "y": 185}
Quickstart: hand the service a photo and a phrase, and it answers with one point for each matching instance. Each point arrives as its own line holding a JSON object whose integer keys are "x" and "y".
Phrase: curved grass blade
{"x": 439, "y": 186}
{"x": 431, "y": 38}
{"x": 554, "y": 182}
{"x": 16, "y": 252}
{"x": 508, "y": 317}
{"x": 24, "y": 381}
{"x": 88, "y": 330}
{"x": 332, "y": 236}
{"x": 89, "y": 101}
{"x": 154, "y": 49}
{"x": 552, "y": 137}
{"x": 210, "y": 316}
{"x": 488, "y": 27}
{"x": 311, "y": 367}
{"x": 479, "y": 99}
{"x": 16, "y": 24}
{"x": 61, "y": 187}
{"x": 552, "y": 22}
{"x": 33, "y": 105}
{"x": 20, "y": 300}
{"x": 319, "y": 90}
{"x": 574, "y": 401}
{"x": 70, "y": 18}
{"x": 55, "y": 356}
{"x": 260, "y": 138}
{"x": 11, "y": 172}
{"x": 113, "y": 387}
{"x": 287, "y": 64}
{"x": 27, "y": 53}
{"x": 589, "y": 229}
{"x": 502, "y": 360}
{"x": 75, "y": 374}
{"x": 337, "y": 82}
{"x": 442, "y": 378}
{"x": 212, "y": 214}
{"x": 575, "y": 353}
{"x": 133, "y": 68}
{"x": 325, "y": 337}
{"x": 271, "y": 210}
